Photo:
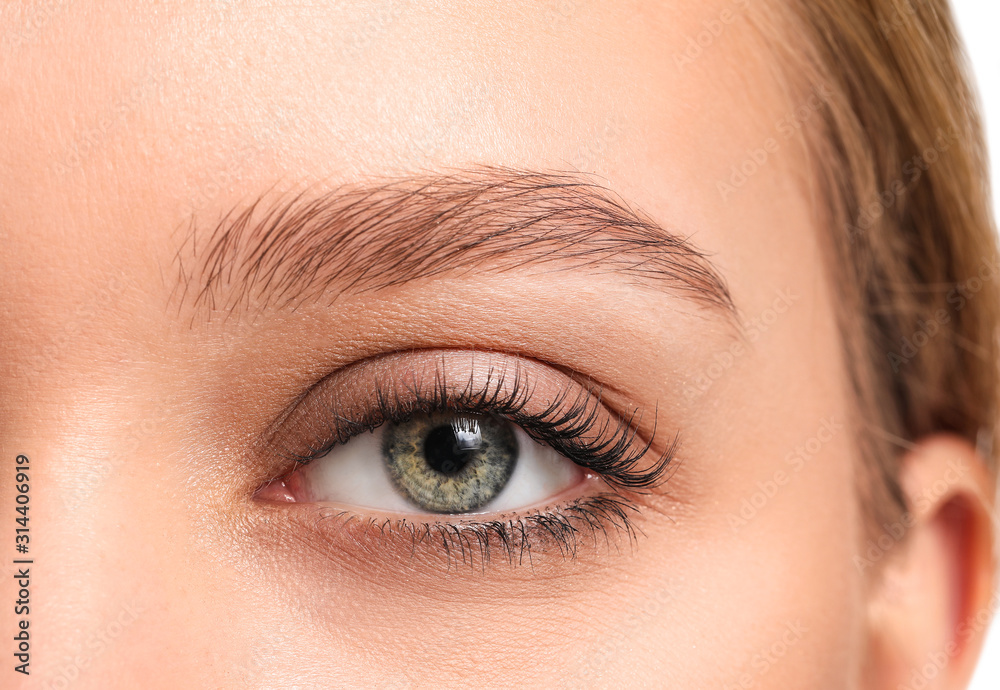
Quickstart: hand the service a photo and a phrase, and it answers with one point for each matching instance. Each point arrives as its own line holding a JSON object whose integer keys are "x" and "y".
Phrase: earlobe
{"x": 931, "y": 595}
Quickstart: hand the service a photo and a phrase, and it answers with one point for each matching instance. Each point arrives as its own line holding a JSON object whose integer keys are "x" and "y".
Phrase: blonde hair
{"x": 903, "y": 168}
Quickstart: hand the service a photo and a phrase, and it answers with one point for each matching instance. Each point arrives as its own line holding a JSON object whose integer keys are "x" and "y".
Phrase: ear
{"x": 931, "y": 596}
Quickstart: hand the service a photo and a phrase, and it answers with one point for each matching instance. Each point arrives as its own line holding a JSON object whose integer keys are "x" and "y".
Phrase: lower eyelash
{"x": 593, "y": 521}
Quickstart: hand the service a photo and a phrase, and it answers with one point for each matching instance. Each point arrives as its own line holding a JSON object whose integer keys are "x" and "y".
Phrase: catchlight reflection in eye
{"x": 442, "y": 462}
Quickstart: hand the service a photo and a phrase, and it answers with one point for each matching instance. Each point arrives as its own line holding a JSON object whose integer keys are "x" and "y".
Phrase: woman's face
{"x": 160, "y": 367}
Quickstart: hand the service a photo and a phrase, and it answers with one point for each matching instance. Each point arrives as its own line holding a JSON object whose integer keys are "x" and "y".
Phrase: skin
{"x": 155, "y": 567}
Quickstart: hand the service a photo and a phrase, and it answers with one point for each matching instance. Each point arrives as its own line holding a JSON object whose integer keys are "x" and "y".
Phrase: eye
{"x": 443, "y": 462}
{"x": 446, "y": 449}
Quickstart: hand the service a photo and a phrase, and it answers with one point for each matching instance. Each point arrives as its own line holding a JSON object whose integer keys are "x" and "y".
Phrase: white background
{"x": 979, "y": 21}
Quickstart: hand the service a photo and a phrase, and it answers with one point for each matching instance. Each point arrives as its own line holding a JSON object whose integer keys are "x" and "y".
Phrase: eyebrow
{"x": 279, "y": 253}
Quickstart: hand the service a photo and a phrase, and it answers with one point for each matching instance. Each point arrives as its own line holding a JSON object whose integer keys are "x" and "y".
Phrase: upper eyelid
{"x": 267, "y": 438}
{"x": 560, "y": 384}
{"x": 366, "y": 369}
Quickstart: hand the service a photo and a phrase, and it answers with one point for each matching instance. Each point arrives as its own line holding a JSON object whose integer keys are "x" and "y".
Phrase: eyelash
{"x": 608, "y": 446}
{"x": 561, "y": 530}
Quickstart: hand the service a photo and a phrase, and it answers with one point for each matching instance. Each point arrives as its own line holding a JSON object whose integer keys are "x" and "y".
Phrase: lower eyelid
{"x": 589, "y": 526}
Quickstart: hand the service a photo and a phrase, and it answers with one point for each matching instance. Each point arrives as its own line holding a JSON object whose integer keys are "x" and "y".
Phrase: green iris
{"x": 449, "y": 462}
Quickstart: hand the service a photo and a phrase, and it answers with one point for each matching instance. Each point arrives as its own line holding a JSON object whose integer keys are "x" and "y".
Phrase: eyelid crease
{"x": 573, "y": 418}
{"x": 265, "y": 439}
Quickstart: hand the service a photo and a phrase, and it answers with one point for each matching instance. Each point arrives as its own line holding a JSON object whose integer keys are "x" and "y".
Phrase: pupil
{"x": 445, "y": 452}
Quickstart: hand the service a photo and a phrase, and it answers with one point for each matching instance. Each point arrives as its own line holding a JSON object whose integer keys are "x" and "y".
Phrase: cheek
{"x": 788, "y": 599}
{"x": 765, "y": 588}
{"x": 763, "y": 593}
{"x": 791, "y": 587}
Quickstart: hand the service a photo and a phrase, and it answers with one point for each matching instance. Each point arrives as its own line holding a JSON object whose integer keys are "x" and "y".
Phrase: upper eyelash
{"x": 614, "y": 453}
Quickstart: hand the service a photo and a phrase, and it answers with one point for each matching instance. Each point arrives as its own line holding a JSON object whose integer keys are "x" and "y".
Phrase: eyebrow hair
{"x": 281, "y": 253}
